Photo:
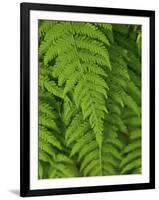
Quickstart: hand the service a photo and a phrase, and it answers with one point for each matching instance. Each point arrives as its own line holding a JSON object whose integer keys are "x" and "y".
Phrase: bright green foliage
{"x": 89, "y": 99}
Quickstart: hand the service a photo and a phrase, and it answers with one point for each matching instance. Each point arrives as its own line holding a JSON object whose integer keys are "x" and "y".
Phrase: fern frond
{"x": 48, "y": 137}
{"x": 50, "y": 86}
{"x": 132, "y": 152}
{"x": 121, "y": 28}
{"x": 107, "y": 29}
{"x": 89, "y": 30}
{"x": 93, "y": 46}
{"x": 89, "y": 99}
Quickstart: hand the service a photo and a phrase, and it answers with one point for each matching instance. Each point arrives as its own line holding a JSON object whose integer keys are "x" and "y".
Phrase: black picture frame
{"x": 25, "y": 9}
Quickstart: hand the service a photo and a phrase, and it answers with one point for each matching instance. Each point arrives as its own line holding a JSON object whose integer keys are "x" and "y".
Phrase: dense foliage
{"x": 89, "y": 99}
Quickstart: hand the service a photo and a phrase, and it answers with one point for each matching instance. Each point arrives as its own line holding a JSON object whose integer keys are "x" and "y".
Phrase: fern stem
{"x": 100, "y": 160}
{"x": 81, "y": 69}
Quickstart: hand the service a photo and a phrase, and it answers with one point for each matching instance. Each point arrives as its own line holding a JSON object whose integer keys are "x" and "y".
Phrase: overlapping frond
{"x": 89, "y": 99}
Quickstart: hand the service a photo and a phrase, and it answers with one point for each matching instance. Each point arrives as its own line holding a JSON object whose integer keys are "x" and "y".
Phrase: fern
{"x": 89, "y": 99}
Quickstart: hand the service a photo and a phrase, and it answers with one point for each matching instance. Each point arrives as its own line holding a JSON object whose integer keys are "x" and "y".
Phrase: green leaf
{"x": 89, "y": 99}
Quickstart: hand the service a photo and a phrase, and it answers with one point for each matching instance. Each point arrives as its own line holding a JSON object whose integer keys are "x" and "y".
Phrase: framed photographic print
{"x": 87, "y": 99}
